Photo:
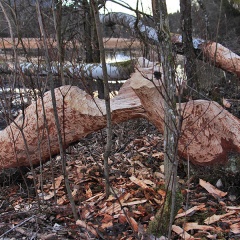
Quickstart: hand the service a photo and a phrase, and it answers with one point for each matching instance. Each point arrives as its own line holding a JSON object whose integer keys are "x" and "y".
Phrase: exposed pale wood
{"x": 183, "y": 234}
{"x": 81, "y": 115}
{"x": 221, "y": 57}
{"x": 194, "y": 225}
{"x": 211, "y": 189}
{"x": 209, "y": 131}
{"x": 214, "y": 218}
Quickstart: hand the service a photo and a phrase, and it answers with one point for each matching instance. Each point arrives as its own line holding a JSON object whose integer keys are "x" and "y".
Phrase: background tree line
{"x": 211, "y": 19}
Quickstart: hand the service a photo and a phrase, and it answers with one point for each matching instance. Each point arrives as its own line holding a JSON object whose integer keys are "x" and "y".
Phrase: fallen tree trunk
{"x": 211, "y": 51}
{"x": 116, "y": 71}
{"x": 79, "y": 115}
{"x": 209, "y": 132}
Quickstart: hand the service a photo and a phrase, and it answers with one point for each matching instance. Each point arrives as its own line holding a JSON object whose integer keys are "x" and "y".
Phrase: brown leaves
{"x": 137, "y": 182}
{"x": 214, "y": 224}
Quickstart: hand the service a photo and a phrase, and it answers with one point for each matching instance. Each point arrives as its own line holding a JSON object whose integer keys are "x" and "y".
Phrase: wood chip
{"x": 58, "y": 181}
{"x": 215, "y": 218}
{"x": 194, "y": 225}
{"x": 114, "y": 208}
{"x": 125, "y": 197}
{"x": 233, "y": 207}
{"x": 138, "y": 182}
{"x": 211, "y": 189}
{"x": 183, "y": 234}
{"x": 235, "y": 228}
{"x": 89, "y": 228}
{"x": 49, "y": 196}
{"x": 93, "y": 197}
{"x": 149, "y": 182}
{"x": 107, "y": 225}
{"x": 134, "y": 224}
{"x": 134, "y": 202}
{"x": 191, "y": 210}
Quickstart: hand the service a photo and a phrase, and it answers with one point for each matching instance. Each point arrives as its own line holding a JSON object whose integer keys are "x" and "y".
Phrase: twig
{"x": 18, "y": 225}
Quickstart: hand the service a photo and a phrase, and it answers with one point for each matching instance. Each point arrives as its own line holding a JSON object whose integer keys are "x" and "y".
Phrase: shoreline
{"x": 37, "y": 43}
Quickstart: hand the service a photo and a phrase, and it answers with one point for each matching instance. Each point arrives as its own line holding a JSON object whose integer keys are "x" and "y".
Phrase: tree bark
{"x": 189, "y": 54}
{"x": 172, "y": 127}
{"x": 115, "y": 71}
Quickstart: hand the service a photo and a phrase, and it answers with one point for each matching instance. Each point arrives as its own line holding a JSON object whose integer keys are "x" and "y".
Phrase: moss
{"x": 160, "y": 225}
{"x": 122, "y": 64}
{"x": 127, "y": 66}
{"x": 233, "y": 165}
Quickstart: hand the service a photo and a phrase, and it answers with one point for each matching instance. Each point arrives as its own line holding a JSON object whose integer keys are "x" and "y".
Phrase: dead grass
{"x": 34, "y": 43}
{"x": 121, "y": 43}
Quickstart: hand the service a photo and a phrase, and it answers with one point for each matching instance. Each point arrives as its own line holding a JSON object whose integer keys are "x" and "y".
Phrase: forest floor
{"x": 137, "y": 186}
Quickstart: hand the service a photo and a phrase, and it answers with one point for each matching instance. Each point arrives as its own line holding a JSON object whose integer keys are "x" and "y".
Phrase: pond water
{"x": 119, "y": 55}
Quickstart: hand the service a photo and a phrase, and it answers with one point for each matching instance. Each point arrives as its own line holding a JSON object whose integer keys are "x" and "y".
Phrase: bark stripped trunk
{"x": 82, "y": 115}
{"x": 209, "y": 132}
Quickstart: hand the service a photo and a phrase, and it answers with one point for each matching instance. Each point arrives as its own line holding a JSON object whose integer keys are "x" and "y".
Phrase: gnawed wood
{"x": 208, "y": 134}
{"x": 79, "y": 115}
{"x": 221, "y": 57}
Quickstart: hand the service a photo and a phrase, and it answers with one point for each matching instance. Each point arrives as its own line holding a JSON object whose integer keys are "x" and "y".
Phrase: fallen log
{"x": 116, "y": 71}
{"x": 213, "y": 52}
{"x": 208, "y": 134}
{"x": 79, "y": 115}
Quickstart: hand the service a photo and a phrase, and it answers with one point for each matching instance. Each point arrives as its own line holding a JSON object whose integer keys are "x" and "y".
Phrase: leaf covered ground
{"x": 138, "y": 192}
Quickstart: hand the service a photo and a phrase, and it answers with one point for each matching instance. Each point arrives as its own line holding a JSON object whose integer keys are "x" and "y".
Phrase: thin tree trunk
{"x": 171, "y": 131}
{"x": 169, "y": 85}
{"x": 97, "y": 53}
{"x": 87, "y": 26}
{"x": 190, "y": 56}
{"x": 57, "y": 122}
{"x": 15, "y": 55}
{"x": 57, "y": 17}
{"x": 108, "y": 147}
